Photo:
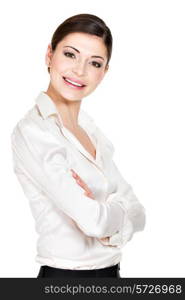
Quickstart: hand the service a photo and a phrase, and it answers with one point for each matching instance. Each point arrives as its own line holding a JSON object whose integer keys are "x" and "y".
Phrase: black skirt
{"x": 50, "y": 272}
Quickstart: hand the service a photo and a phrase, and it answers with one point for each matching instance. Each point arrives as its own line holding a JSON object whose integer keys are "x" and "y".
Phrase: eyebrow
{"x": 94, "y": 56}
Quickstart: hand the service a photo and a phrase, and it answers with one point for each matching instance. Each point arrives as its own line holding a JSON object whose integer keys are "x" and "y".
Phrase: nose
{"x": 79, "y": 68}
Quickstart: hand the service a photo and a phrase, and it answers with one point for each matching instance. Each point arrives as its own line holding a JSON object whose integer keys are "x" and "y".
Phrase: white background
{"x": 139, "y": 106}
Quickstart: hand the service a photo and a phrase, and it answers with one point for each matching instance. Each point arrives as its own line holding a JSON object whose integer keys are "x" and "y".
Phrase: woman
{"x": 84, "y": 210}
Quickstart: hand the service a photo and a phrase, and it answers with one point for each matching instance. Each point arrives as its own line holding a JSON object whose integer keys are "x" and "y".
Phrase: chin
{"x": 70, "y": 96}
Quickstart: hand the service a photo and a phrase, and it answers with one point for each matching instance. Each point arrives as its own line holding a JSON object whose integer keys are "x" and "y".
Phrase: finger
{"x": 87, "y": 193}
{"x": 76, "y": 176}
{"x": 74, "y": 173}
{"x": 80, "y": 181}
{"x": 90, "y": 195}
{"x": 83, "y": 185}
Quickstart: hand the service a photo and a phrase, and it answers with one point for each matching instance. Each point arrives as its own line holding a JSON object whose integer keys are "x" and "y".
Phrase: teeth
{"x": 73, "y": 82}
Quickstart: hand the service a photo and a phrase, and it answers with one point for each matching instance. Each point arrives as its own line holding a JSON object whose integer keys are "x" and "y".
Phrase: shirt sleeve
{"x": 134, "y": 219}
{"x": 43, "y": 159}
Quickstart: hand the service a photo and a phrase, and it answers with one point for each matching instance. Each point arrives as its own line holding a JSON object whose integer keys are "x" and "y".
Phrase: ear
{"x": 48, "y": 55}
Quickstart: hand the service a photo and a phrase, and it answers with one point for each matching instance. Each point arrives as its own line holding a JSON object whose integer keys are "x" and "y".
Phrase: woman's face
{"x": 81, "y": 58}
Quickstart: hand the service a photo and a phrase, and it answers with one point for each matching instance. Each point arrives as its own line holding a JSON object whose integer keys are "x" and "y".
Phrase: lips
{"x": 74, "y": 82}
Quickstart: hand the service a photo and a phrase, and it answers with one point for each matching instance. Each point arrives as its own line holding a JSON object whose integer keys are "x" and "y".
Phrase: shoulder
{"x": 25, "y": 124}
{"x": 32, "y": 128}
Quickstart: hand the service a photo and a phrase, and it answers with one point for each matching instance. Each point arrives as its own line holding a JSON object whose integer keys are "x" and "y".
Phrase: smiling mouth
{"x": 73, "y": 84}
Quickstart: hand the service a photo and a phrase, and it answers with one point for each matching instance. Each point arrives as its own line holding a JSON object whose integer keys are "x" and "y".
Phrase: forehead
{"x": 84, "y": 42}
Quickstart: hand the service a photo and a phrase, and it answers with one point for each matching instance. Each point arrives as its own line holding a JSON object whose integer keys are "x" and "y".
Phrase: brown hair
{"x": 86, "y": 23}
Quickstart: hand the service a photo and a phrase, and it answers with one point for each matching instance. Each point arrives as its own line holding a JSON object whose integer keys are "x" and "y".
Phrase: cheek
{"x": 98, "y": 77}
{"x": 60, "y": 64}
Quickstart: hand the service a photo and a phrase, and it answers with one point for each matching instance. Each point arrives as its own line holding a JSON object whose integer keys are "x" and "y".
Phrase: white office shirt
{"x": 70, "y": 225}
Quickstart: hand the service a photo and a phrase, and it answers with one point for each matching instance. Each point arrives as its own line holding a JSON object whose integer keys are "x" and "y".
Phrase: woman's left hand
{"x": 88, "y": 193}
{"x": 79, "y": 180}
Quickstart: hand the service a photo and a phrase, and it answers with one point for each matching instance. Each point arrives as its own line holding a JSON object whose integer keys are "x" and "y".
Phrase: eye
{"x": 96, "y": 64}
{"x": 69, "y": 54}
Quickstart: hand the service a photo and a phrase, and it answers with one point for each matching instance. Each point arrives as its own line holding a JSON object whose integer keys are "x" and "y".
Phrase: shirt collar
{"x": 48, "y": 108}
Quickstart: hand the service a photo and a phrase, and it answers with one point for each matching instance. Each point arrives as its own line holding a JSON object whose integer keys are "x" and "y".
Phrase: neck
{"x": 68, "y": 110}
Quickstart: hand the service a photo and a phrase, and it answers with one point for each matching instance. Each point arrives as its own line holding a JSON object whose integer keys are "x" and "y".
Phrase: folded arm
{"x": 134, "y": 219}
{"x": 42, "y": 158}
